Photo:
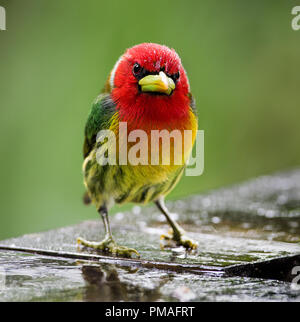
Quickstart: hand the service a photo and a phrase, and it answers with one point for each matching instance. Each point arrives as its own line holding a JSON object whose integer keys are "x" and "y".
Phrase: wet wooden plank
{"x": 247, "y": 231}
{"x": 283, "y": 269}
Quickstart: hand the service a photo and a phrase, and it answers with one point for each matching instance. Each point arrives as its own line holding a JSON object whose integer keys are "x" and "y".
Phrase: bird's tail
{"x": 86, "y": 198}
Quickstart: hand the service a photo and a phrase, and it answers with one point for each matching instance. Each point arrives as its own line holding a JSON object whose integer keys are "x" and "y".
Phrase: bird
{"x": 147, "y": 89}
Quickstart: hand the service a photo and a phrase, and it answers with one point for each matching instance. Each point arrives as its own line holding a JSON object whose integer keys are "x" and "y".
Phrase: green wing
{"x": 99, "y": 119}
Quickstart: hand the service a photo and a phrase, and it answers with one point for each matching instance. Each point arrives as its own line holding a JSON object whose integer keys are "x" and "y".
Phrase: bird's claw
{"x": 108, "y": 245}
{"x": 179, "y": 239}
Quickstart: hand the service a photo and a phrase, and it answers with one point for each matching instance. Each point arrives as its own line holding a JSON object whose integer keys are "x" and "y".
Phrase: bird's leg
{"x": 108, "y": 244}
{"x": 178, "y": 234}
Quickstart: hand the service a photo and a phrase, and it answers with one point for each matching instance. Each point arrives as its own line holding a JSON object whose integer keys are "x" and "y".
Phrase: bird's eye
{"x": 175, "y": 76}
{"x": 137, "y": 69}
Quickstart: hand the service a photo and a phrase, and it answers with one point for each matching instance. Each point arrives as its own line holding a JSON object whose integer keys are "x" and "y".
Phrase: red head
{"x": 149, "y": 84}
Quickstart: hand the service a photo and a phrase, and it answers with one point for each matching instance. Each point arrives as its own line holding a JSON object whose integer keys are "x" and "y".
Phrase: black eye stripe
{"x": 175, "y": 76}
{"x": 139, "y": 72}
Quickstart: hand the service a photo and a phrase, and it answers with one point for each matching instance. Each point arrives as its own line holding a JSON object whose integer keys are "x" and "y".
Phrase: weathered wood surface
{"x": 249, "y": 225}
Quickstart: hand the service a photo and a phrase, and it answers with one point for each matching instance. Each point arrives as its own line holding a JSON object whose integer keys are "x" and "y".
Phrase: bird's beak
{"x": 160, "y": 83}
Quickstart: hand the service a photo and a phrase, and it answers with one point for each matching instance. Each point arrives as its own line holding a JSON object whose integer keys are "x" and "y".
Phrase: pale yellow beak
{"x": 160, "y": 83}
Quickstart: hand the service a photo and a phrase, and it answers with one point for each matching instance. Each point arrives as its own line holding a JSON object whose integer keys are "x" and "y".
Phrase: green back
{"x": 99, "y": 119}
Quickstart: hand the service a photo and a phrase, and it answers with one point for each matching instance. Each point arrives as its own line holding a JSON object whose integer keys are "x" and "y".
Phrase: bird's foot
{"x": 178, "y": 239}
{"x": 108, "y": 245}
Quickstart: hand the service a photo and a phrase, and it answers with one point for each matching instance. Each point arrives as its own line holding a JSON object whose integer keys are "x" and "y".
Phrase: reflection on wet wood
{"x": 278, "y": 268}
{"x": 167, "y": 266}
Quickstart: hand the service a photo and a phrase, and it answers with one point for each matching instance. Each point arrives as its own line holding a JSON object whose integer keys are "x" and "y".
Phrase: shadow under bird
{"x": 148, "y": 89}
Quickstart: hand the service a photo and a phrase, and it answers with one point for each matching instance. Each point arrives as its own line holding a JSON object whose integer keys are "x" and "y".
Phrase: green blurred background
{"x": 243, "y": 62}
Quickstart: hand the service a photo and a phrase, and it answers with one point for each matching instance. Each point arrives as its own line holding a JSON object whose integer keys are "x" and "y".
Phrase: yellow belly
{"x": 140, "y": 183}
